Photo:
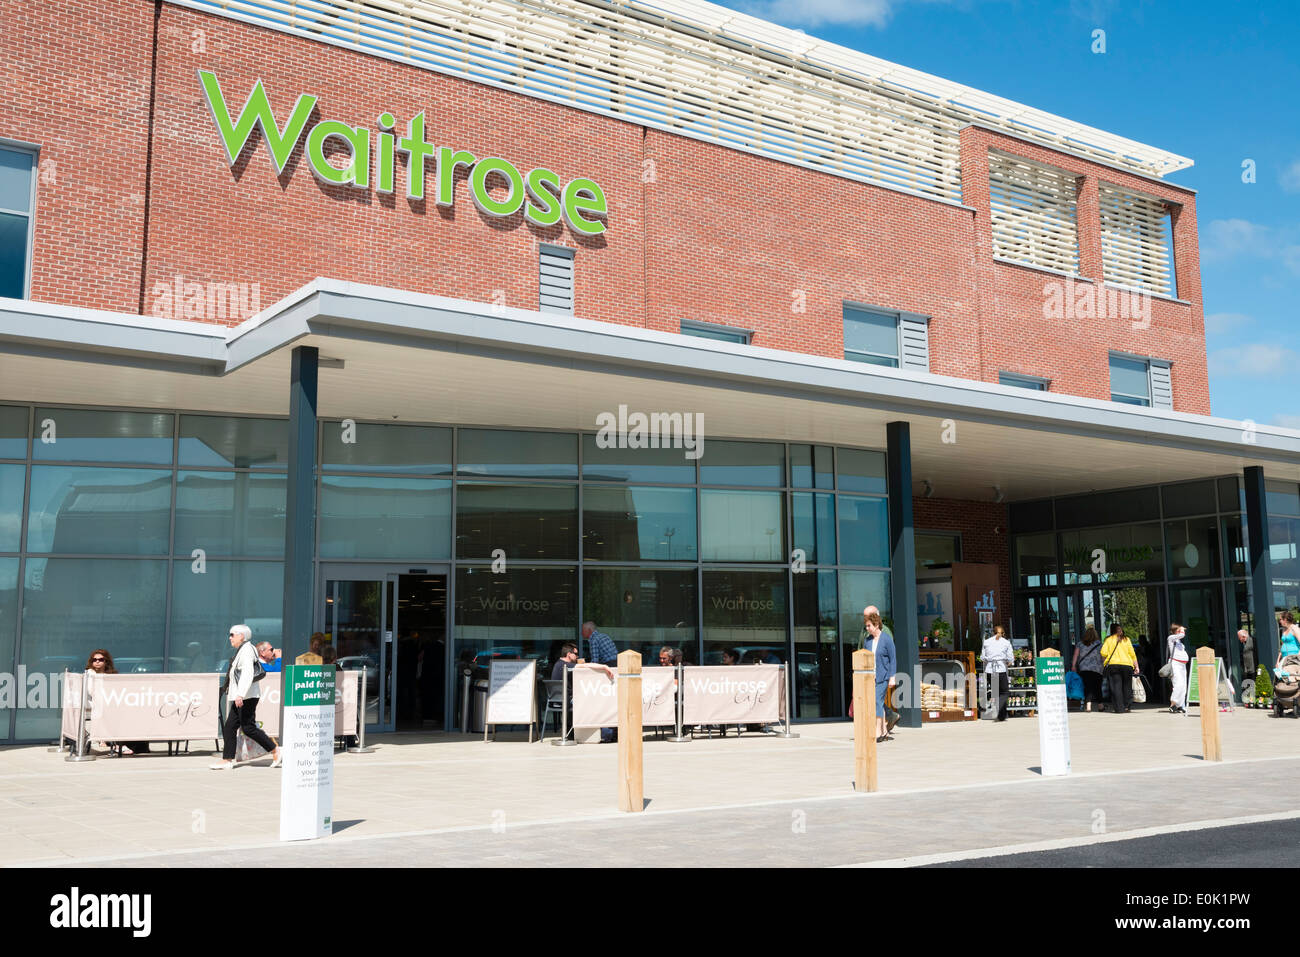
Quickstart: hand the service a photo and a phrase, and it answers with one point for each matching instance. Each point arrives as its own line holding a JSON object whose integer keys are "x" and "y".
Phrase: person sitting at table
{"x": 101, "y": 663}
{"x": 568, "y": 660}
{"x": 730, "y": 656}
{"x": 669, "y": 657}
{"x": 270, "y": 656}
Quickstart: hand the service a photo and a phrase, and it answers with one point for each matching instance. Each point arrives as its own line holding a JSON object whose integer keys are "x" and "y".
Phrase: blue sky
{"x": 1216, "y": 82}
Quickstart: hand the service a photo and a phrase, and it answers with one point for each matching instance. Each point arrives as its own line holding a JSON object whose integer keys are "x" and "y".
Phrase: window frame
{"x": 894, "y": 314}
{"x": 20, "y": 146}
{"x": 1145, "y": 360}
{"x": 695, "y": 328}
{"x": 1021, "y": 380}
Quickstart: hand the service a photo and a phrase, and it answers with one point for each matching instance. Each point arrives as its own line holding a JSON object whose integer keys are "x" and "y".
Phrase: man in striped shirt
{"x": 603, "y": 652}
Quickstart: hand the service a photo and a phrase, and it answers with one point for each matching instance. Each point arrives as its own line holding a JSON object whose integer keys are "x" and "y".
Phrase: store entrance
{"x": 1136, "y": 608}
{"x": 393, "y": 624}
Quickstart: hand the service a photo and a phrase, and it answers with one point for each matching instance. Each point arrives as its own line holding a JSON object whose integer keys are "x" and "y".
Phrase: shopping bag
{"x": 1139, "y": 691}
{"x": 1073, "y": 686}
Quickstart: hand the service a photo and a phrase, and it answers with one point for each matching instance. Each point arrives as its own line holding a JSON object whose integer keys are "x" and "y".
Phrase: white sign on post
{"x": 512, "y": 689}
{"x": 1053, "y": 717}
{"x": 307, "y": 750}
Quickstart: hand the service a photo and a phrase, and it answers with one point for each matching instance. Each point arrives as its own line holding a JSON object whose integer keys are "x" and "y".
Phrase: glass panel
{"x": 816, "y": 637}
{"x": 230, "y": 513}
{"x": 86, "y": 435}
{"x": 385, "y": 518}
{"x": 1245, "y": 662}
{"x": 1192, "y": 548}
{"x": 9, "y": 628}
{"x": 743, "y": 463}
{"x": 1283, "y": 550}
{"x": 861, "y": 471}
{"x": 518, "y": 454}
{"x": 745, "y": 611}
{"x": 936, "y": 550}
{"x": 1235, "y": 557}
{"x": 1036, "y": 559}
{"x": 98, "y": 511}
{"x": 12, "y": 478}
{"x": 354, "y": 622}
{"x": 670, "y": 466}
{"x": 638, "y": 523}
{"x": 738, "y": 526}
{"x": 1128, "y": 377}
{"x": 16, "y": 180}
{"x": 812, "y": 466}
{"x": 520, "y": 613}
{"x": 72, "y": 606}
{"x": 813, "y": 516}
{"x": 1041, "y": 623}
{"x": 221, "y": 442}
{"x": 1132, "y": 553}
{"x": 1232, "y": 497}
{"x": 870, "y": 332}
{"x": 13, "y": 431}
{"x": 1282, "y": 498}
{"x": 1193, "y": 498}
{"x": 642, "y": 609}
{"x": 366, "y": 447}
{"x": 13, "y": 255}
{"x": 708, "y": 332}
{"x": 864, "y": 531}
{"x": 1130, "y": 505}
{"x": 526, "y": 521}
{"x": 204, "y": 606}
{"x": 1021, "y": 382}
{"x": 857, "y": 591}
{"x": 1200, "y": 609}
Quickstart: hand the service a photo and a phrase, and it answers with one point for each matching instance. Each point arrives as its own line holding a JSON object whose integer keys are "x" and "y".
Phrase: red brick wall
{"x": 695, "y": 230}
{"x": 983, "y": 528}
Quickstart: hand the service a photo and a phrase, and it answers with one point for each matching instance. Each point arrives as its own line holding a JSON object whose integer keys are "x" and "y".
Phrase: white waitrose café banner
{"x": 347, "y": 684}
{"x": 595, "y": 697}
{"x": 511, "y": 692}
{"x": 135, "y": 707}
{"x": 307, "y": 749}
{"x": 735, "y": 694}
{"x": 1053, "y": 716}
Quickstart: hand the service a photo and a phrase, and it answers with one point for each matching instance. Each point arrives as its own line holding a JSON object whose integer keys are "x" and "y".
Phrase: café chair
{"x": 554, "y": 704}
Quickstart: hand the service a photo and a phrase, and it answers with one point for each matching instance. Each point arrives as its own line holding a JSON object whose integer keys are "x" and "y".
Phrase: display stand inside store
{"x": 1022, "y": 684}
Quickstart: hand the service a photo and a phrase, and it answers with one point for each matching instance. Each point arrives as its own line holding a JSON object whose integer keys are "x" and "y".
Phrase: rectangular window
{"x": 871, "y": 336}
{"x": 1022, "y": 381}
{"x": 1034, "y": 213}
{"x": 711, "y": 330}
{"x": 638, "y": 523}
{"x": 555, "y": 281}
{"x": 1130, "y": 380}
{"x": 17, "y": 196}
{"x": 1137, "y": 241}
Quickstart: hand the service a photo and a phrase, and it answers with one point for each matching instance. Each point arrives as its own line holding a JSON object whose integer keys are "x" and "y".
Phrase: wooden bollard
{"x": 1207, "y": 678}
{"x": 864, "y": 721}
{"x": 631, "y": 785}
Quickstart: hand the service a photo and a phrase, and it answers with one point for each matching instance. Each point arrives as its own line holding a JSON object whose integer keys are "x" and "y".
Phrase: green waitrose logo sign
{"x": 540, "y": 193}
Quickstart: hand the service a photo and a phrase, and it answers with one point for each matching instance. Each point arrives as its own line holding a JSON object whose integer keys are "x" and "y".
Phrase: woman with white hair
{"x": 242, "y": 694}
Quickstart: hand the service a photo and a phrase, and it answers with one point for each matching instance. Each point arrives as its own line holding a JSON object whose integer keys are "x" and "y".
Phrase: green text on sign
{"x": 1050, "y": 671}
{"x": 308, "y": 686}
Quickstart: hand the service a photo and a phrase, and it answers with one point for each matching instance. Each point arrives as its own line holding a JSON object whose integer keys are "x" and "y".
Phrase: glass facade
{"x": 1171, "y": 553}
{"x": 150, "y": 533}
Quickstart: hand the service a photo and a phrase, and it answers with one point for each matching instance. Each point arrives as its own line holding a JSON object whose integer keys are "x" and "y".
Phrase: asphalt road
{"x": 1273, "y": 843}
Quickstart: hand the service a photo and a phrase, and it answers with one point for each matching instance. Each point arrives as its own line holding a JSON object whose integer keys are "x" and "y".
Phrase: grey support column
{"x": 902, "y": 565}
{"x": 300, "y": 504}
{"x": 1261, "y": 571}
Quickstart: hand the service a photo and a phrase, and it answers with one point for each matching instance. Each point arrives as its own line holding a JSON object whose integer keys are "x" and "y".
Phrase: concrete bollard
{"x": 1208, "y": 680}
{"x": 864, "y": 721}
{"x": 631, "y": 784}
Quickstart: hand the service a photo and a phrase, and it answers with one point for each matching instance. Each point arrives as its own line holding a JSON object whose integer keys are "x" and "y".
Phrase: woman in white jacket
{"x": 1178, "y": 659}
{"x": 242, "y": 695}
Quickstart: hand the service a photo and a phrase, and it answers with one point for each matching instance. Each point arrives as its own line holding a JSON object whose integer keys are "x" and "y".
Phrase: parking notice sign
{"x": 307, "y": 750}
{"x": 1053, "y": 716}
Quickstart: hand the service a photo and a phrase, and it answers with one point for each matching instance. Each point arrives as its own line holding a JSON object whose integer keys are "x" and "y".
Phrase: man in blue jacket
{"x": 877, "y": 639}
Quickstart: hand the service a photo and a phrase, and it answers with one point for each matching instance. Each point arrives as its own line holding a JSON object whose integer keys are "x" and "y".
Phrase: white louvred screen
{"x": 702, "y": 71}
{"x": 1034, "y": 209}
{"x": 1136, "y": 241}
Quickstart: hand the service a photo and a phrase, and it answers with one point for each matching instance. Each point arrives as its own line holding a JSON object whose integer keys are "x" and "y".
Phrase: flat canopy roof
{"x": 390, "y": 355}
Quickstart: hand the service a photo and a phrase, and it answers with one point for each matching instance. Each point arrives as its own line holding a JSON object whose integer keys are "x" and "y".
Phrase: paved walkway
{"x": 447, "y": 799}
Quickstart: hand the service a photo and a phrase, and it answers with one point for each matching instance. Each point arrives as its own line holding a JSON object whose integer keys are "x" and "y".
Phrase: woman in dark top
{"x": 1087, "y": 664}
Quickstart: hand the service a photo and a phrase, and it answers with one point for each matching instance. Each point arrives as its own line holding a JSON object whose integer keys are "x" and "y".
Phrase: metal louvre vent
{"x": 1136, "y": 242}
{"x": 555, "y": 285}
{"x": 702, "y": 71}
{"x": 1162, "y": 390}
{"x": 914, "y": 332}
{"x": 1034, "y": 209}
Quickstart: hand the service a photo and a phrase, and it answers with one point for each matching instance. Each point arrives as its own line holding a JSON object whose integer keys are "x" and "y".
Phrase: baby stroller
{"x": 1286, "y": 688}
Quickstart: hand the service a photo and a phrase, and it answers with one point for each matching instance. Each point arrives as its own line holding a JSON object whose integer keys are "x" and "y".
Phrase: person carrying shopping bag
{"x": 242, "y": 695}
{"x": 1119, "y": 665}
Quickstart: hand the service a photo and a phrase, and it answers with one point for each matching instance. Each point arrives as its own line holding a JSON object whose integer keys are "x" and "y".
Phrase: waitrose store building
{"x": 442, "y": 329}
